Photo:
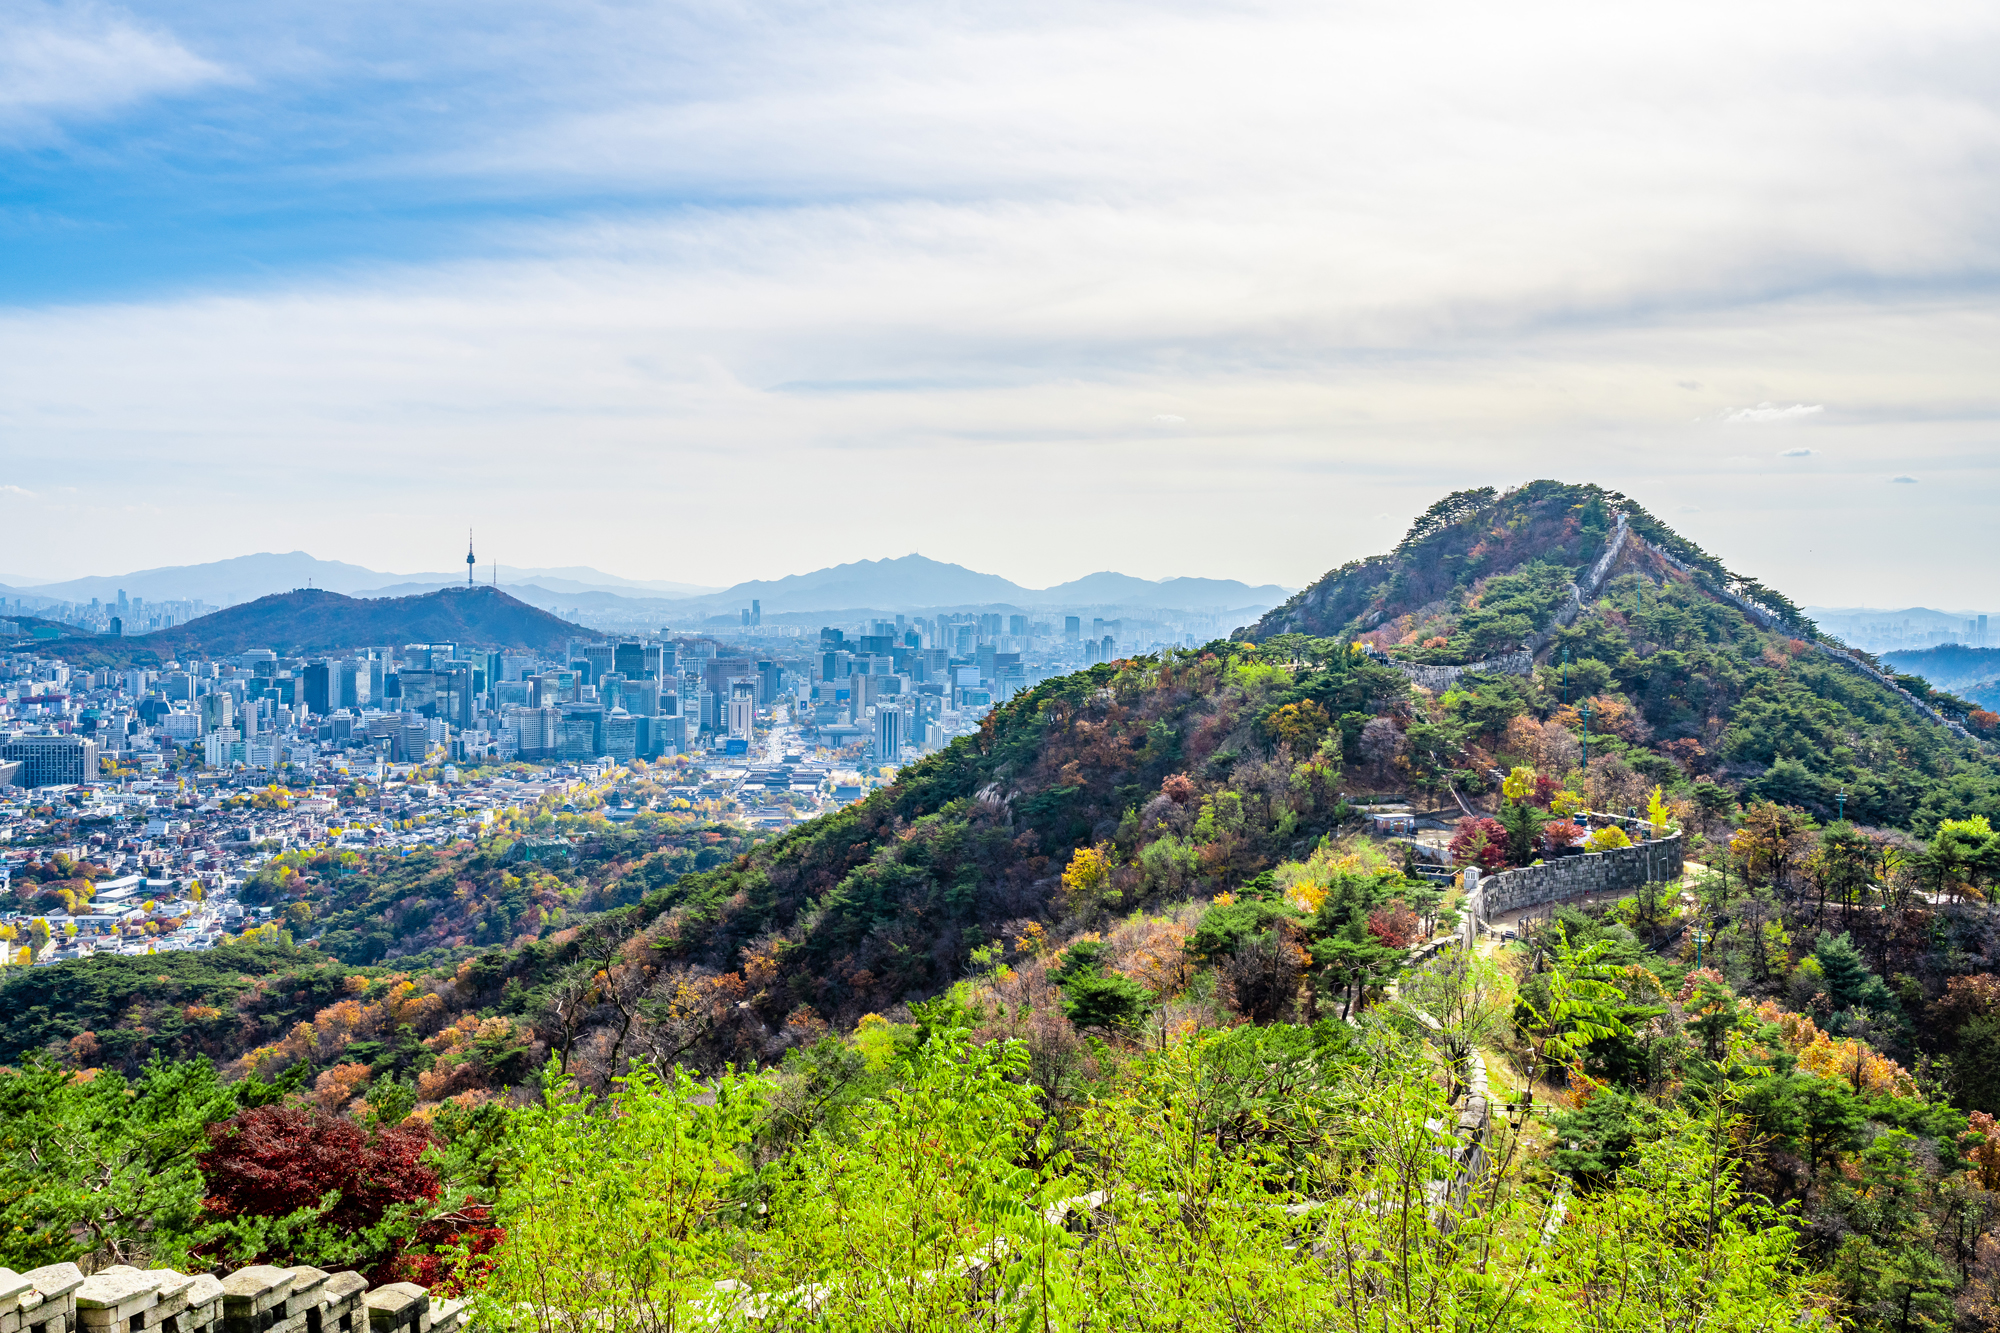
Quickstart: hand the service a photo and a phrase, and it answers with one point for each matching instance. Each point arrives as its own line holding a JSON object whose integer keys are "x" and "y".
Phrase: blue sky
{"x": 1217, "y": 289}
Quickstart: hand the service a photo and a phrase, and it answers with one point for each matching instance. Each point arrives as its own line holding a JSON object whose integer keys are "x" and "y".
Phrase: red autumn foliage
{"x": 1480, "y": 842}
{"x": 1984, "y": 719}
{"x": 1179, "y": 788}
{"x": 472, "y": 1224}
{"x": 274, "y": 1160}
{"x": 1561, "y": 833}
{"x": 1394, "y": 924}
{"x": 1546, "y": 788}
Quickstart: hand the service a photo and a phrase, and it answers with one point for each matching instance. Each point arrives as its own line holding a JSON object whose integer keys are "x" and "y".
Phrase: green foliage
{"x": 1278, "y": 1178}
{"x": 1849, "y": 982}
{"x": 610, "y": 1209}
{"x": 1094, "y": 1000}
{"x": 173, "y": 991}
{"x": 103, "y": 1169}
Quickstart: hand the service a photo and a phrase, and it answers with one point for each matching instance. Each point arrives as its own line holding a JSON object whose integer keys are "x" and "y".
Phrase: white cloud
{"x": 1904, "y": 481}
{"x": 85, "y": 58}
{"x": 1766, "y": 413}
{"x": 1371, "y": 253}
{"x": 1797, "y": 453}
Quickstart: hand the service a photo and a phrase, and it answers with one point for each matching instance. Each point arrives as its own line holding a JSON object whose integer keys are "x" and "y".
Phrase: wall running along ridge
{"x": 1522, "y": 663}
{"x": 1765, "y": 618}
{"x": 258, "y": 1299}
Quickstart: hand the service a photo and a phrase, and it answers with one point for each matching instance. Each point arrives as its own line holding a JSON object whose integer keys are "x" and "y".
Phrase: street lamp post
{"x": 1586, "y": 733}
{"x": 1842, "y": 816}
{"x": 1565, "y": 675}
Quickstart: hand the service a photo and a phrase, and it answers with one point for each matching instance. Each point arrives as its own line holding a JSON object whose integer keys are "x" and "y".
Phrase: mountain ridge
{"x": 244, "y": 578}
{"x": 905, "y": 582}
{"x": 309, "y": 620}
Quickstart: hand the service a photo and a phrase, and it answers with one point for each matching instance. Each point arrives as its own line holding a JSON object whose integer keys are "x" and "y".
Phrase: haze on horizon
{"x": 712, "y": 293}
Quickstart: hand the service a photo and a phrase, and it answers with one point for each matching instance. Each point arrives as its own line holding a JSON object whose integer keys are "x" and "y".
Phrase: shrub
{"x": 1606, "y": 838}
{"x": 1093, "y": 1000}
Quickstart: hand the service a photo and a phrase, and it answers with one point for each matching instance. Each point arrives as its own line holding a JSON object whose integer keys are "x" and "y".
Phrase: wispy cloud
{"x": 1904, "y": 481}
{"x": 85, "y": 58}
{"x": 1796, "y": 453}
{"x": 1369, "y": 253}
{"x": 1766, "y": 413}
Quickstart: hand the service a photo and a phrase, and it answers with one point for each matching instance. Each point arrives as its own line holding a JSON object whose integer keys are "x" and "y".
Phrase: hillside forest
{"x": 1118, "y": 1013}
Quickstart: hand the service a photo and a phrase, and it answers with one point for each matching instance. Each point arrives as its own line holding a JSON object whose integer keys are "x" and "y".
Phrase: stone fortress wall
{"x": 258, "y": 1299}
{"x": 1522, "y": 662}
{"x": 1768, "y": 619}
{"x": 1620, "y": 870}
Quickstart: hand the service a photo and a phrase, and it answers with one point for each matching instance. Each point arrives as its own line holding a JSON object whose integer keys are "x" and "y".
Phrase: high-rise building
{"x": 413, "y": 739}
{"x": 742, "y": 709}
{"x": 535, "y": 732}
{"x": 756, "y": 611}
{"x": 360, "y": 682}
{"x": 218, "y": 711}
{"x": 1072, "y": 628}
{"x": 1017, "y": 626}
{"x": 600, "y": 658}
{"x": 770, "y": 682}
{"x": 888, "y": 735}
{"x": 641, "y": 698}
{"x": 717, "y": 672}
{"x": 320, "y": 695}
{"x": 48, "y": 761}
{"x": 581, "y": 714}
{"x": 621, "y": 736}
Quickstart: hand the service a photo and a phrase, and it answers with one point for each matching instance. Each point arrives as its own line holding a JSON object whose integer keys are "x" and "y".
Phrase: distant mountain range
{"x": 912, "y": 582}
{"x": 312, "y": 620}
{"x": 245, "y": 578}
{"x": 1970, "y": 673}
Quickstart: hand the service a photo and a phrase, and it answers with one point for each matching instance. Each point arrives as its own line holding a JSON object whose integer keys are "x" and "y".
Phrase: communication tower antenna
{"x": 469, "y": 562}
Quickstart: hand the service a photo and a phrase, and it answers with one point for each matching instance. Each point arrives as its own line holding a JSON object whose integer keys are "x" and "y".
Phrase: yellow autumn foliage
{"x": 1856, "y": 1063}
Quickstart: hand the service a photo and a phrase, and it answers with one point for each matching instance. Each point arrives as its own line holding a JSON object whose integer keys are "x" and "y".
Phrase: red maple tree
{"x": 274, "y": 1160}
{"x": 1480, "y": 842}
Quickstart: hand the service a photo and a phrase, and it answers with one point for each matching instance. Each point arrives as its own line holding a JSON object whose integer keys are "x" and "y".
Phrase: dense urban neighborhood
{"x": 136, "y": 801}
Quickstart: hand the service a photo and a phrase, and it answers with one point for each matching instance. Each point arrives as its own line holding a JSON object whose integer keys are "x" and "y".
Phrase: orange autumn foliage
{"x": 1856, "y": 1063}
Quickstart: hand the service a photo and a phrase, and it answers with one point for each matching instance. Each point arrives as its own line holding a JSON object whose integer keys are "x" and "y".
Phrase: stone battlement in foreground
{"x": 258, "y": 1299}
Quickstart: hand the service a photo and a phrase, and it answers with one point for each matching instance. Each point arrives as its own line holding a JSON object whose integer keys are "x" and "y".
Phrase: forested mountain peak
{"x": 311, "y": 620}
{"x": 1481, "y": 571}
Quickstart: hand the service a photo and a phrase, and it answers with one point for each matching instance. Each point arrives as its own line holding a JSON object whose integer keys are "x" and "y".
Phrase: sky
{"x": 728, "y": 290}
